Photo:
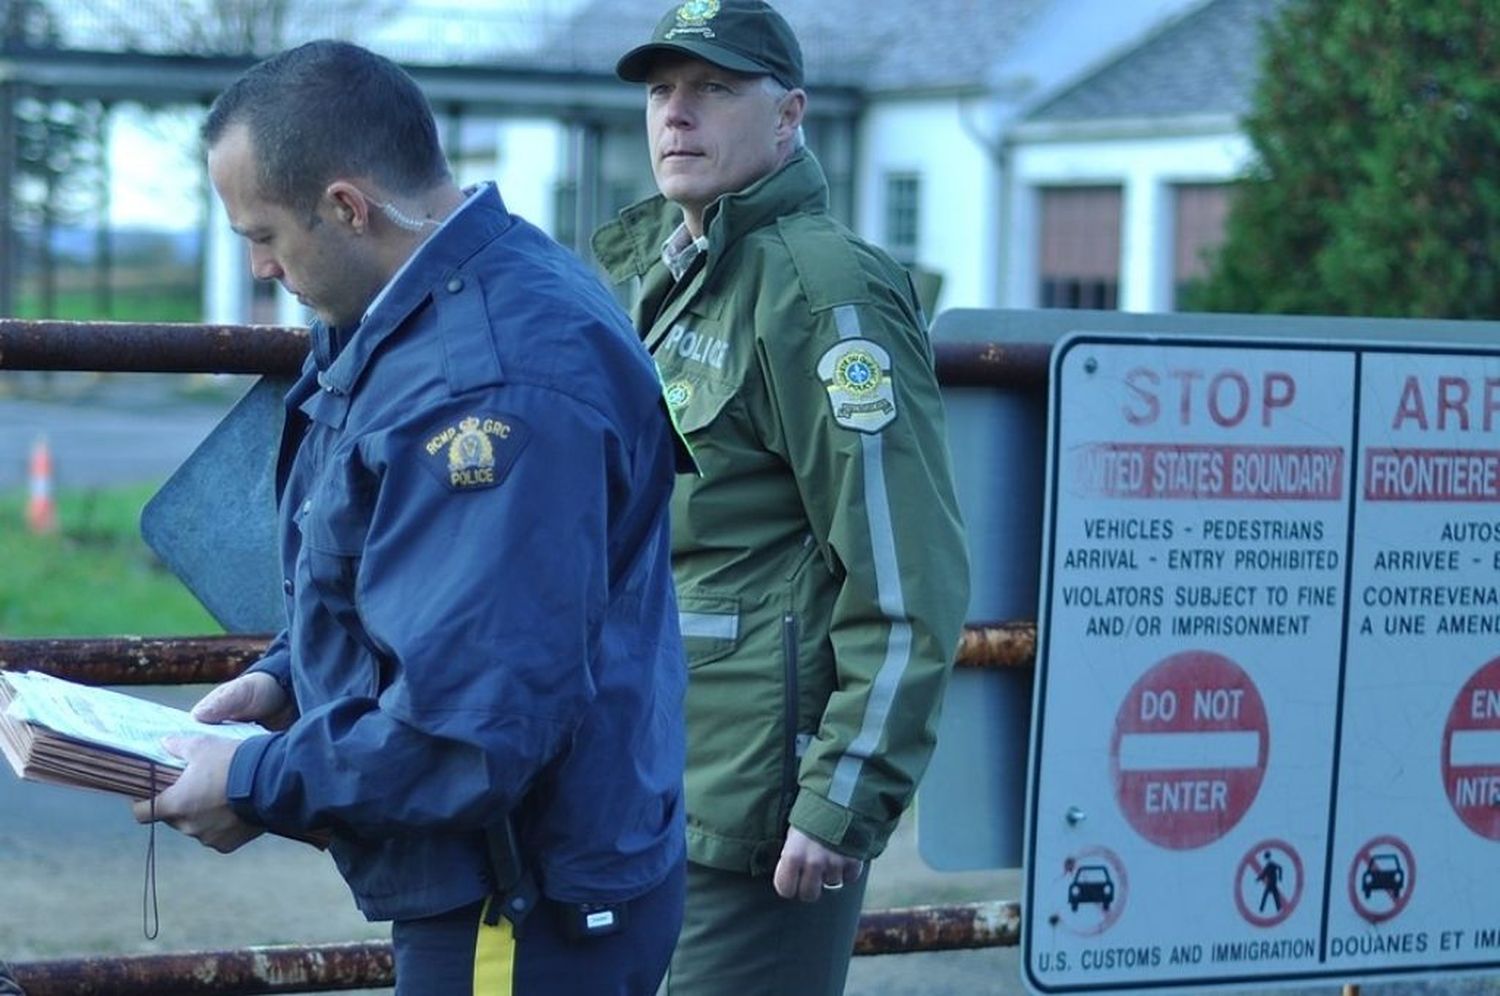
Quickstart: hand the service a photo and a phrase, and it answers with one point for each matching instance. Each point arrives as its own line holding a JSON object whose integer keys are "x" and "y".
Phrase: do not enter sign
{"x": 1471, "y": 752}
{"x": 1189, "y": 749}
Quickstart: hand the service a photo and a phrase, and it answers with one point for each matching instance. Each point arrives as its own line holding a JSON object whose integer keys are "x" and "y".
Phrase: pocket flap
{"x": 710, "y": 627}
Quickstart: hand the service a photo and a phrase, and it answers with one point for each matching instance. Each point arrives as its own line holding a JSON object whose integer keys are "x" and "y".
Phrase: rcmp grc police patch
{"x": 475, "y": 452}
{"x": 857, "y": 374}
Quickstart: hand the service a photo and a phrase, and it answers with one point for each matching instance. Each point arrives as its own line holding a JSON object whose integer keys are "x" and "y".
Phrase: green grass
{"x": 95, "y": 577}
{"x": 132, "y": 304}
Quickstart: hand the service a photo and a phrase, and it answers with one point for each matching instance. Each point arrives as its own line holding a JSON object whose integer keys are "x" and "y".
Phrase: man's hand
{"x": 807, "y": 868}
{"x": 198, "y": 803}
{"x": 251, "y": 698}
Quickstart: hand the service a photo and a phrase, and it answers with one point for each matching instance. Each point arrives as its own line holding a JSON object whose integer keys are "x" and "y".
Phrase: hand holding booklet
{"x": 57, "y": 731}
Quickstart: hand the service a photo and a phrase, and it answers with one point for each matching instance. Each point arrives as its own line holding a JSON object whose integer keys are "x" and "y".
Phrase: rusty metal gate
{"x": 118, "y": 347}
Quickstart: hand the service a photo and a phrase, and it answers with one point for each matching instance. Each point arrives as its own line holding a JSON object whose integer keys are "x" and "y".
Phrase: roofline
{"x": 166, "y": 79}
{"x": 1115, "y": 129}
{"x": 934, "y": 92}
{"x": 1108, "y": 60}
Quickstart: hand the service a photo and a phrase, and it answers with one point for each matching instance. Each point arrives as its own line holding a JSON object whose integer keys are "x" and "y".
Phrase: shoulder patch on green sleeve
{"x": 474, "y": 452}
{"x": 827, "y": 267}
{"x": 861, "y": 389}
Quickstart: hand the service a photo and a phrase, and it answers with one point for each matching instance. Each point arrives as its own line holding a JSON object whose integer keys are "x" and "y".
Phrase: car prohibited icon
{"x": 1093, "y": 888}
{"x": 1382, "y": 877}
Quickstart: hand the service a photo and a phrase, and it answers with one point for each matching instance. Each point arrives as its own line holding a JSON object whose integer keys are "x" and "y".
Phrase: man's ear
{"x": 793, "y": 107}
{"x": 348, "y": 205}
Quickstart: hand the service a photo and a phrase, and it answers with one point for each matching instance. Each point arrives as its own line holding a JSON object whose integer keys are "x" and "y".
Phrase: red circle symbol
{"x": 1265, "y": 871}
{"x": 1189, "y": 749}
{"x": 1471, "y": 752}
{"x": 1094, "y": 887}
{"x": 1382, "y": 877}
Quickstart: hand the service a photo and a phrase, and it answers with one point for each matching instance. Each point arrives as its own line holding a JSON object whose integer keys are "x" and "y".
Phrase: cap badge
{"x": 693, "y": 18}
{"x": 697, "y": 11}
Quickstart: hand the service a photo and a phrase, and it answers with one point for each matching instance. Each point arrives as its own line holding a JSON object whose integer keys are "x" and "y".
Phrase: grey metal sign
{"x": 214, "y": 521}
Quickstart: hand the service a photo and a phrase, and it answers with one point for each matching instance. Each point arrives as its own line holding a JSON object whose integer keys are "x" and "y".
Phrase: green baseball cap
{"x": 747, "y": 36}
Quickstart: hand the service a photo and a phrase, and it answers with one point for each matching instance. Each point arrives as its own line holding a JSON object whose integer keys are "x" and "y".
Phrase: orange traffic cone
{"x": 41, "y": 509}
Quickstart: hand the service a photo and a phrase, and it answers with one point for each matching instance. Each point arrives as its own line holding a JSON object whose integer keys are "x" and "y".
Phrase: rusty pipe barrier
{"x": 141, "y": 347}
{"x": 134, "y": 660}
{"x": 278, "y": 969}
{"x": 167, "y": 347}
{"x": 1016, "y": 366}
{"x": 958, "y": 927}
{"x": 369, "y": 965}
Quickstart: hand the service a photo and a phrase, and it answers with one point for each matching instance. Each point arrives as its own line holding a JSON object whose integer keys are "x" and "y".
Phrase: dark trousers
{"x": 739, "y": 937}
{"x": 458, "y": 953}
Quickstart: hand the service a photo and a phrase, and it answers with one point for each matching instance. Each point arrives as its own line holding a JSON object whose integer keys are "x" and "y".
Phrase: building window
{"x": 903, "y": 193}
{"x": 1199, "y": 213}
{"x": 1080, "y": 252}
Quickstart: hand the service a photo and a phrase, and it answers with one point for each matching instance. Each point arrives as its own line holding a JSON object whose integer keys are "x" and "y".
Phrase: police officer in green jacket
{"x": 819, "y": 557}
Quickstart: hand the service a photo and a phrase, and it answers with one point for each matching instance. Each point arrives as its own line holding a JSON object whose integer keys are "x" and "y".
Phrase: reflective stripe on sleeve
{"x": 892, "y": 602}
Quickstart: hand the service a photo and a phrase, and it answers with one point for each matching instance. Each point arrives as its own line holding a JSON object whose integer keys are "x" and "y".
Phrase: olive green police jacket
{"x": 819, "y": 557}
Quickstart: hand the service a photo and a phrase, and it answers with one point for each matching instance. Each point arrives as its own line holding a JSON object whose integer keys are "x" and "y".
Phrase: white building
{"x": 1032, "y": 153}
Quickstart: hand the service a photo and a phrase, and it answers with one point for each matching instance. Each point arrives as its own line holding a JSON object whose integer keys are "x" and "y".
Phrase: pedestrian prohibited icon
{"x": 1189, "y": 749}
{"x": 1268, "y": 883}
{"x": 1382, "y": 877}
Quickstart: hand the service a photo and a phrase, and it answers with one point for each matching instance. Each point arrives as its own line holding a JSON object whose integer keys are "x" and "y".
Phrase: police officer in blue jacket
{"x": 478, "y": 695}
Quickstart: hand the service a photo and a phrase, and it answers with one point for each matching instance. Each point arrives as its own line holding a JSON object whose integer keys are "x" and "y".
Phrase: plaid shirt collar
{"x": 681, "y": 250}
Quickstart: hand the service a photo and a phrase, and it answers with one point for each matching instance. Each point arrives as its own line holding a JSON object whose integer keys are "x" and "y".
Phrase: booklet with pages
{"x": 52, "y": 730}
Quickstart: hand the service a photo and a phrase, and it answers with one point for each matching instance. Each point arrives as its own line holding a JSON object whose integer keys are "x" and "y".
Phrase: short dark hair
{"x": 328, "y": 109}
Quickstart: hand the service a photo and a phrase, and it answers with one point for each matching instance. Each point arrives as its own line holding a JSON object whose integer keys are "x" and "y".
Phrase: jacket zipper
{"x": 789, "y": 747}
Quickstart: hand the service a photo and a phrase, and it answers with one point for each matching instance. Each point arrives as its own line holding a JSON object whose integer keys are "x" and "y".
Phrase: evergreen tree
{"x": 1376, "y": 187}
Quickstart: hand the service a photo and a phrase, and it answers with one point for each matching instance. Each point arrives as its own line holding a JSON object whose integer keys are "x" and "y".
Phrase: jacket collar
{"x": 631, "y": 245}
{"x": 341, "y": 356}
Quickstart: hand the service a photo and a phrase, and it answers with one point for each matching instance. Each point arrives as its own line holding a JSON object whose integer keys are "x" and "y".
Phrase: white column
{"x": 1143, "y": 236}
{"x": 1022, "y": 240}
{"x": 226, "y": 271}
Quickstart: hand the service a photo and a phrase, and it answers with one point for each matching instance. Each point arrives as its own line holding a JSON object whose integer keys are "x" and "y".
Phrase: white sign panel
{"x": 1267, "y": 738}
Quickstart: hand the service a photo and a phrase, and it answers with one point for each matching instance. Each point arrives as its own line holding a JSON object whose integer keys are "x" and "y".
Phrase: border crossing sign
{"x": 1268, "y": 682}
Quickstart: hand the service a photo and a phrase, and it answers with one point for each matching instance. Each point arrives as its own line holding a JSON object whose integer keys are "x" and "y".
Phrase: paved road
{"x": 97, "y": 444}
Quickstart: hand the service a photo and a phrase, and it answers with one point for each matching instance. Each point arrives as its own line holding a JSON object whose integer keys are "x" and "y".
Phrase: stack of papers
{"x": 57, "y": 731}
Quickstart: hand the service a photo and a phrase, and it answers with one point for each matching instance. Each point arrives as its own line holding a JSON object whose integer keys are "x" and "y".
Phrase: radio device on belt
{"x": 515, "y": 890}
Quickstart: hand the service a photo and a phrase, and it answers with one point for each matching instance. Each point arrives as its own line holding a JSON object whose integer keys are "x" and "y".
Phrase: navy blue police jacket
{"x": 472, "y": 500}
